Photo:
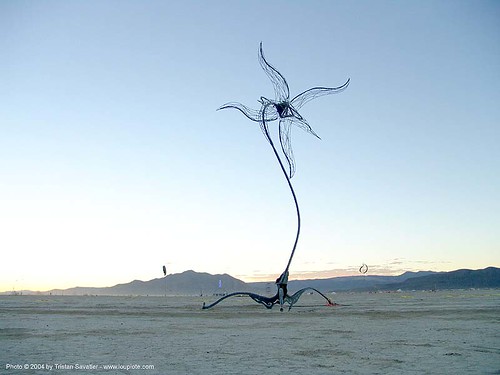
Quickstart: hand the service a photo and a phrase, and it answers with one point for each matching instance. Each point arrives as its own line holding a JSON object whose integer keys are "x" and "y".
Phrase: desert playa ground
{"x": 447, "y": 332}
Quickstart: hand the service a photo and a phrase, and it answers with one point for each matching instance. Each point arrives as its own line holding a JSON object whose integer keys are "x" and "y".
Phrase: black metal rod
{"x": 291, "y": 189}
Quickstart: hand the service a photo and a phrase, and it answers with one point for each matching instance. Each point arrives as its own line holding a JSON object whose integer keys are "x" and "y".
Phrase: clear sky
{"x": 114, "y": 160}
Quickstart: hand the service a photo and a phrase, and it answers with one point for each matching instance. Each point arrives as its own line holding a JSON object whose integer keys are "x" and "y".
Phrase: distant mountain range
{"x": 195, "y": 283}
{"x": 460, "y": 279}
{"x": 185, "y": 283}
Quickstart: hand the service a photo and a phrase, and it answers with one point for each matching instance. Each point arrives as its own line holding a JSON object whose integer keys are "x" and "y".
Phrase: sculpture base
{"x": 269, "y": 302}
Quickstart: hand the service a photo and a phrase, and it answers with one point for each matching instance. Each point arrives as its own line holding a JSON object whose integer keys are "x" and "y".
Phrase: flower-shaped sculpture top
{"x": 282, "y": 108}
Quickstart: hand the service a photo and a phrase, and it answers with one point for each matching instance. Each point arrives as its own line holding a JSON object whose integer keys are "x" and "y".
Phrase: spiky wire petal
{"x": 281, "y": 90}
{"x": 301, "y": 122}
{"x": 286, "y": 144}
{"x": 250, "y": 113}
{"x": 304, "y": 97}
{"x": 285, "y": 128}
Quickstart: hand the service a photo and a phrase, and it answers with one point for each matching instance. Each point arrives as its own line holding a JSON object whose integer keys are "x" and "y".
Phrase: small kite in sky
{"x": 363, "y": 269}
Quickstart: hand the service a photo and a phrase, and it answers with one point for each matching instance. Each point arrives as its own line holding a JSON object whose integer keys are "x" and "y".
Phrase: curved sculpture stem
{"x": 294, "y": 199}
{"x": 284, "y": 276}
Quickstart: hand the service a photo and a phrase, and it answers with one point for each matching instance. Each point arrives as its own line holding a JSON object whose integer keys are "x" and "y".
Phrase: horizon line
{"x": 264, "y": 278}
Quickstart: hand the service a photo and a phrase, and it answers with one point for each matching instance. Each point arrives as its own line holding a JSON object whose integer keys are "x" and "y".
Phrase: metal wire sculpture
{"x": 286, "y": 111}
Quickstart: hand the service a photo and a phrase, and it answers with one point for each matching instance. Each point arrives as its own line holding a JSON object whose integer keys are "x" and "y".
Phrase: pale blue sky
{"x": 114, "y": 160}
